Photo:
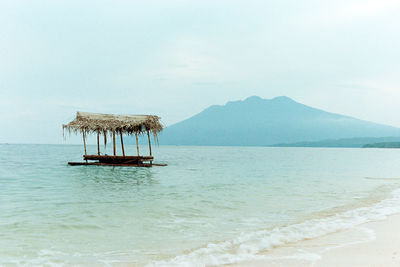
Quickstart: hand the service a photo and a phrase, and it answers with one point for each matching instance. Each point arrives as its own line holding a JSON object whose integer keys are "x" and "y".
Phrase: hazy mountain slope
{"x": 257, "y": 121}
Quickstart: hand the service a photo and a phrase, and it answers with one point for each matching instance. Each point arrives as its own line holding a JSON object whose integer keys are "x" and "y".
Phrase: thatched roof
{"x": 107, "y": 123}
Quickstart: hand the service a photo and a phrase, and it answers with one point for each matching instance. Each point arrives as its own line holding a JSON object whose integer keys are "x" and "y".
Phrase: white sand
{"x": 370, "y": 244}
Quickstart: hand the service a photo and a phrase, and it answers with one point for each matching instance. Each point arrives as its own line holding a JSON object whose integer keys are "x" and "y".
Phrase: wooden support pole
{"x": 122, "y": 144}
{"x": 115, "y": 151}
{"x": 105, "y": 139}
{"x": 148, "y": 135}
{"x": 98, "y": 143}
{"x": 84, "y": 143}
{"x": 137, "y": 143}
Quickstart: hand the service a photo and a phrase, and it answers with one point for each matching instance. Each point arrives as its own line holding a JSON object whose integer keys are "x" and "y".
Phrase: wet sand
{"x": 370, "y": 244}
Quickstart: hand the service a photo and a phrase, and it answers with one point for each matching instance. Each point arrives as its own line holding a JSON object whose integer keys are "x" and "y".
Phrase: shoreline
{"x": 336, "y": 240}
{"x": 375, "y": 243}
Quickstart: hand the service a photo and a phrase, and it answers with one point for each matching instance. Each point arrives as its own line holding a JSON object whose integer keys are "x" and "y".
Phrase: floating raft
{"x": 112, "y": 125}
{"x": 128, "y": 161}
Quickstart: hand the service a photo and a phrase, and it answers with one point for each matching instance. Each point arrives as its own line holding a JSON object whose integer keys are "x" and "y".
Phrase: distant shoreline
{"x": 388, "y": 145}
{"x": 357, "y": 142}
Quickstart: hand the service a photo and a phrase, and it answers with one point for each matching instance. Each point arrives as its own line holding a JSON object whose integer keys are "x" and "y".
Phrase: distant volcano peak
{"x": 257, "y": 122}
{"x": 253, "y": 98}
{"x": 278, "y": 98}
{"x": 282, "y": 98}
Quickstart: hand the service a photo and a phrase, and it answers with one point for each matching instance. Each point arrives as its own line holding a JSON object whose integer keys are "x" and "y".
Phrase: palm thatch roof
{"x": 86, "y": 122}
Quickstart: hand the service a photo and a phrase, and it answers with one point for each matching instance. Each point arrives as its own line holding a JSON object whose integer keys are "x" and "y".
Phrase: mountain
{"x": 259, "y": 122}
{"x": 347, "y": 142}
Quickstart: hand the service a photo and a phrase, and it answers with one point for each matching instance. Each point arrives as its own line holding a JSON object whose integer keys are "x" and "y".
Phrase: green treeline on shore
{"x": 383, "y": 145}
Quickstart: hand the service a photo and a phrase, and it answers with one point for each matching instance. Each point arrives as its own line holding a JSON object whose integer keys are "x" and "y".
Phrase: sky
{"x": 175, "y": 58}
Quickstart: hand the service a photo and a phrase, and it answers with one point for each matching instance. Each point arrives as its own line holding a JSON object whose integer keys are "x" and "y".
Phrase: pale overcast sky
{"x": 175, "y": 58}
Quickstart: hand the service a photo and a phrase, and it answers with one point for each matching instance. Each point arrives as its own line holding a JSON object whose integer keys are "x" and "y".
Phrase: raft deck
{"x": 106, "y": 160}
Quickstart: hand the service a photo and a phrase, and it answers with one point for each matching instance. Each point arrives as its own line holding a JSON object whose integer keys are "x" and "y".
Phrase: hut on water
{"x": 113, "y": 125}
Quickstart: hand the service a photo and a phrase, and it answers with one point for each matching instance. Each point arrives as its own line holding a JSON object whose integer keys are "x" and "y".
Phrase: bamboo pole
{"x": 148, "y": 135}
{"x": 98, "y": 143}
{"x": 84, "y": 143}
{"x": 122, "y": 144}
{"x": 105, "y": 139}
{"x": 137, "y": 143}
{"x": 115, "y": 152}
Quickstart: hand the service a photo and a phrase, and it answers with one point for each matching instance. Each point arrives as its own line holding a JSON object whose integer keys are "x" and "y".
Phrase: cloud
{"x": 366, "y": 8}
{"x": 385, "y": 84}
{"x": 345, "y": 13}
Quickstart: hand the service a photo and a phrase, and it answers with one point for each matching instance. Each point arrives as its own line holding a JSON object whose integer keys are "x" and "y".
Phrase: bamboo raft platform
{"x": 109, "y": 124}
{"x": 127, "y": 161}
{"x": 116, "y": 164}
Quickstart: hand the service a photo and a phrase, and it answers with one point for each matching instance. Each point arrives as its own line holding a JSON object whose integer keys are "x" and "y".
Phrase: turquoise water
{"x": 210, "y": 205}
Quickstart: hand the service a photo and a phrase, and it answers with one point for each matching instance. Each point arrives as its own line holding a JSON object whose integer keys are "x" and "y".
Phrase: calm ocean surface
{"x": 210, "y": 205}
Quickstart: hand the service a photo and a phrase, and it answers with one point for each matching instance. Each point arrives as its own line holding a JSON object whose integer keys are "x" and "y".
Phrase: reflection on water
{"x": 124, "y": 176}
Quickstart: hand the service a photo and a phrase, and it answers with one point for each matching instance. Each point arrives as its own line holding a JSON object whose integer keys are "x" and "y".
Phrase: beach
{"x": 370, "y": 244}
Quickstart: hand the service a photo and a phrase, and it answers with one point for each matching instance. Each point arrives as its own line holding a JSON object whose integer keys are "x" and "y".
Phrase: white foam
{"x": 246, "y": 246}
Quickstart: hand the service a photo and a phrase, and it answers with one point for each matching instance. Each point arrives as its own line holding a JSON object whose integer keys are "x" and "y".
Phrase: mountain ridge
{"x": 255, "y": 121}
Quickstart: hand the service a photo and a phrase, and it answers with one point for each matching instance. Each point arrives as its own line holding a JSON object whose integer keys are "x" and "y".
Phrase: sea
{"x": 210, "y": 205}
